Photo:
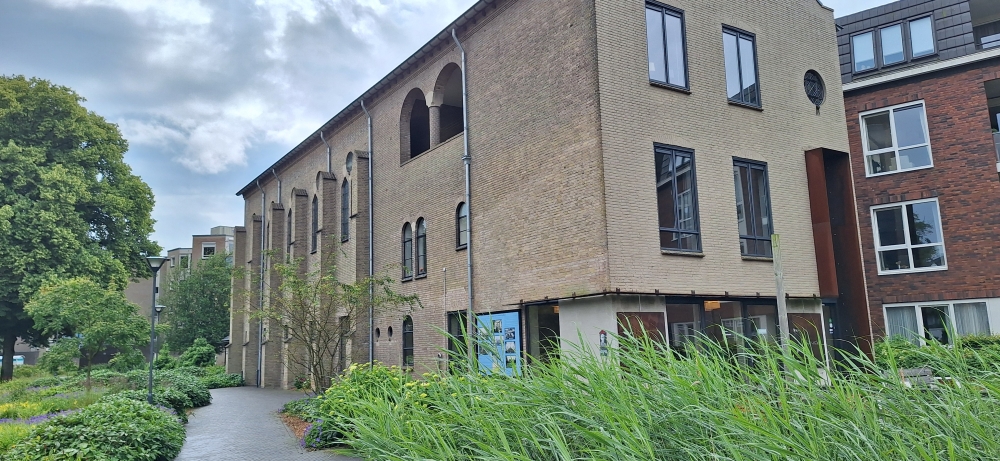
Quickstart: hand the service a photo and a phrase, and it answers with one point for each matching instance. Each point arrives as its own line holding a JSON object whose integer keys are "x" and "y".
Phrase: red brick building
{"x": 922, "y": 94}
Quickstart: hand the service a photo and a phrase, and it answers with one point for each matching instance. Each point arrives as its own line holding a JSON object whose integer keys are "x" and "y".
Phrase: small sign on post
{"x": 779, "y": 282}
{"x": 603, "y": 342}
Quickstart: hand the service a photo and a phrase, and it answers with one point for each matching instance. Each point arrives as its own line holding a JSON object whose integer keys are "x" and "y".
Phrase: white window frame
{"x": 909, "y": 245}
{"x": 895, "y": 144}
{"x": 918, "y": 307}
{"x": 207, "y": 245}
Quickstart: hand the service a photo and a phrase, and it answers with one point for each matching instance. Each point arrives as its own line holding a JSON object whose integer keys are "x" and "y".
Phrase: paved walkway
{"x": 242, "y": 424}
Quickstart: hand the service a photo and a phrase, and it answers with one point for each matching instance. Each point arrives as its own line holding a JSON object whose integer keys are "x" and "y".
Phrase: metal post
{"x": 779, "y": 280}
{"x": 152, "y": 335}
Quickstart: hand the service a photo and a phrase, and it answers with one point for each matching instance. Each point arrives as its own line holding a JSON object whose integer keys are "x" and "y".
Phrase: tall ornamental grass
{"x": 644, "y": 403}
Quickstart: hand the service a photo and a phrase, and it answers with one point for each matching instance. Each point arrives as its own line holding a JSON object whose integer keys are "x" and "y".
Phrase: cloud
{"x": 210, "y": 92}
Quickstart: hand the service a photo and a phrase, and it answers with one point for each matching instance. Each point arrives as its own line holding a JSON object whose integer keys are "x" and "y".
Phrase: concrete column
{"x": 435, "y": 122}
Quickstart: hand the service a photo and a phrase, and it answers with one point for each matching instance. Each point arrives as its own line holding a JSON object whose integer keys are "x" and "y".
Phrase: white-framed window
{"x": 939, "y": 321}
{"x": 908, "y": 237}
{"x": 895, "y": 139}
{"x": 207, "y": 250}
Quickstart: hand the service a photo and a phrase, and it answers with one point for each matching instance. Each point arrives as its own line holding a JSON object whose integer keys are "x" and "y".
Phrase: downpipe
{"x": 467, "y": 160}
{"x": 371, "y": 243}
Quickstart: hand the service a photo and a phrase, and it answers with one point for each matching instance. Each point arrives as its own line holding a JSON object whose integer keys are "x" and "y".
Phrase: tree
{"x": 319, "y": 312}
{"x": 69, "y": 205}
{"x": 96, "y": 318}
{"x": 198, "y": 303}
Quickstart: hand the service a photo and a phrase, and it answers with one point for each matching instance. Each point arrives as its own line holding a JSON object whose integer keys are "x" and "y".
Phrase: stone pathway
{"x": 242, "y": 424}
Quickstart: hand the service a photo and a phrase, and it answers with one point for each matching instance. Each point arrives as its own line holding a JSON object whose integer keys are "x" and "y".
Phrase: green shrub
{"x": 59, "y": 357}
{"x": 11, "y": 434}
{"x": 338, "y": 409}
{"x": 307, "y": 409}
{"x": 116, "y": 429}
{"x": 47, "y": 381}
{"x": 128, "y": 360}
{"x": 164, "y": 361}
{"x": 29, "y": 371}
{"x": 189, "y": 385}
{"x": 216, "y": 381}
{"x": 199, "y": 354}
{"x": 174, "y": 399}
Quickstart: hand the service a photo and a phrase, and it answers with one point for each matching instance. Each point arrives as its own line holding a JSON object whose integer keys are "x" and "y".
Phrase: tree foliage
{"x": 69, "y": 205}
{"x": 96, "y": 318}
{"x": 198, "y": 303}
{"x": 318, "y": 312}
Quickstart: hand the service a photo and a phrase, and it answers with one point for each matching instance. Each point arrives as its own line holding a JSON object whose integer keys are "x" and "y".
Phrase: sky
{"x": 211, "y": 92}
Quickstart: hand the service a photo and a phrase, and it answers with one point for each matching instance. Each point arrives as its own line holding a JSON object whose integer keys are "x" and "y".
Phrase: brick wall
{"x": 964, "y": 180}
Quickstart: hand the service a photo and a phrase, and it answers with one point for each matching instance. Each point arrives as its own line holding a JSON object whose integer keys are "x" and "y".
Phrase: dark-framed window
{"x": 407, "y": 341}
{"x": 315, "y": 224}
{"x": 421, "y": 244}
{"x": 742, "y": 82}
{"x": 345, "y": 211}
{"x": 893, "y": 44}
{"x": 288, "y": 229}
{"x": 462, "y": 226}
{"x": 753, "y": 207}
{"x": 407, "y": 257}
{"x": 665, "y": 45}
{"x": 677, "y": 198}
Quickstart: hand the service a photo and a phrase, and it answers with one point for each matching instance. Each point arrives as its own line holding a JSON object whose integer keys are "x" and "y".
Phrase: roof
{"x": 355, "y": 106}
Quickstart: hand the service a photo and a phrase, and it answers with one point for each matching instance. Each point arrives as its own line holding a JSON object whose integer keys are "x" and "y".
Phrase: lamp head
{"x": 155, "y": 262}
{"x": 159, "y": 308}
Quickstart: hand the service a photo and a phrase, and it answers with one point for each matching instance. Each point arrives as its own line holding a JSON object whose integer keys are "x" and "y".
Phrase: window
{"x": 207, "y": 250}
{"x": 908, "y": 237}
{"x": 676, "y": 199}
{"x": 421, "y": 247}
{"x": 892, "y": 44}
{"x": 665, "y": 45}
{"x": 753, "y": 208}
{"x": 863, "y": 48}
{"x": 315, "y": 224}
{"x": 462, "y": 226}
{"x": 741, "y": 67}
{"x": 408, "y": 341}
{"x": 921, "y": 37}
{"x": 895, "y": 139}
{"x": 407, "y": 252}
{"x": 938, "y": 321}
{"x": 288, "y": 233}
{"x": 345, "y": 211}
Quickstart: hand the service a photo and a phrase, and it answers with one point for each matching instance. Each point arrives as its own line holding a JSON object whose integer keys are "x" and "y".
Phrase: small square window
{"x": 921, "y": 37}
{"x": 207, "y": 250}
{"x": 863, "y": 48}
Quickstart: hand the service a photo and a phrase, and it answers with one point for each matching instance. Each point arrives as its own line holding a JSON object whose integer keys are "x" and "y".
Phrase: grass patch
{"x": 643, "y": 403}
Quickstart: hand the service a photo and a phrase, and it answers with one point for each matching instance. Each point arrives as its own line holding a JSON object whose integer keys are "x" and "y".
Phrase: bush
{"x": 116, "y": 429}
{"x": 199, "y": 354}
{"x": 189, "y": 385}
{"x": 169, "y": 398}
{"x": 128, "y": 360}
{"x": 338, "y": 409}
{"x": 307, "y": 409}
{"x": 29, "y": 371}
{"x": 11, "y": 434}
{"x": 216, "y": 381}
{"x": 60, "y": 356}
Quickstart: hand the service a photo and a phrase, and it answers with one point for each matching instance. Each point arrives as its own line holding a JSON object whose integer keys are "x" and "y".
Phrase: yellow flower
{"x": 423, "y": 396}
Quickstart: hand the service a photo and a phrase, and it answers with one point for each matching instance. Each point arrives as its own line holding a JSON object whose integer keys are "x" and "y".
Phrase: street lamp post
{"x": 155, "y": 263}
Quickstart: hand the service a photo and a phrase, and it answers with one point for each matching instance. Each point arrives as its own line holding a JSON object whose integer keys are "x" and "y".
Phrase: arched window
{"x": 288, "y": 235}
{"x": 345, "y": 211}
{"x": 414, "y": 126}
{"x": 462, "y": 226}
{"x": 408, "y": 341}
{"x": 448, "y": 96}
{"x": 421, "y": 247}
{"x": 315, "y": 224}
{"x": 407, "y": 252}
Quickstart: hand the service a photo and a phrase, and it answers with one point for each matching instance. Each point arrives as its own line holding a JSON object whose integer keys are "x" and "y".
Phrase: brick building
{"x": 922, "y": 93}
{"x": 626, "y": 165}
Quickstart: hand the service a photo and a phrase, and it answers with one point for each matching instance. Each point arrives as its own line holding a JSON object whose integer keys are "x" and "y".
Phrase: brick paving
{"x": 242, "y": 424}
